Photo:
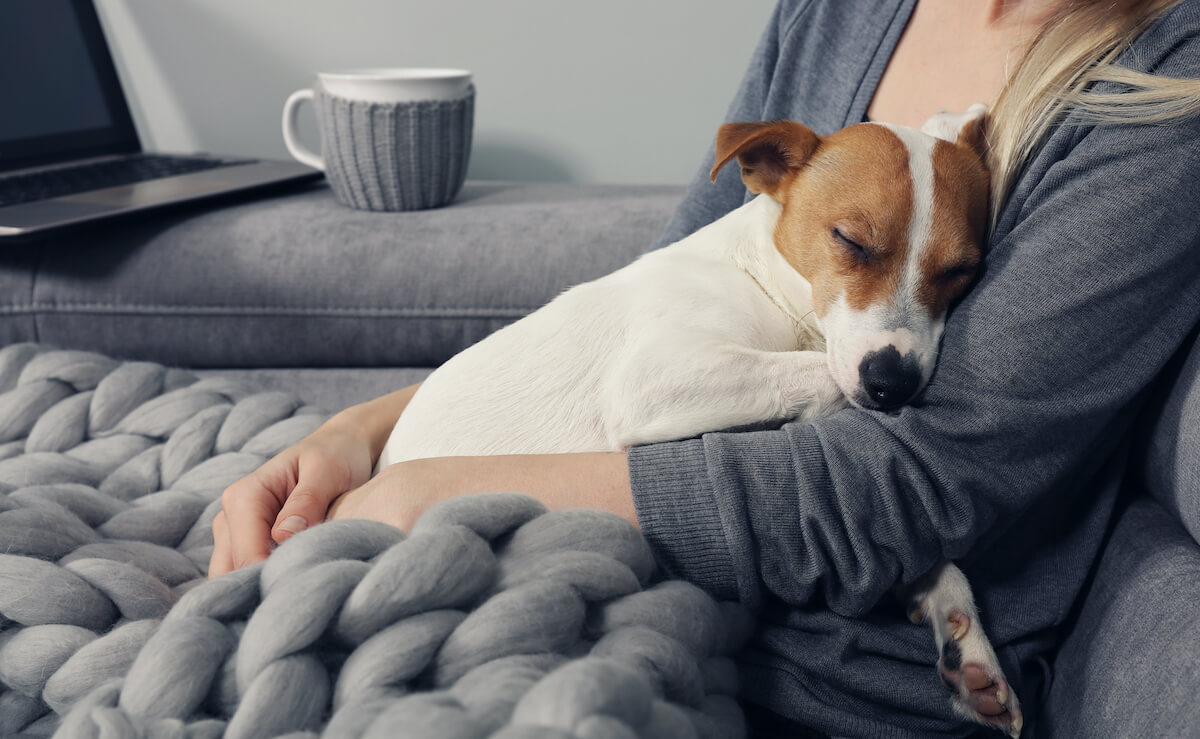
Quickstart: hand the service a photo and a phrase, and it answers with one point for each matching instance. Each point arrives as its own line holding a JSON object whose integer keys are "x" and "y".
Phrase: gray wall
{"x": 571, "y": 91}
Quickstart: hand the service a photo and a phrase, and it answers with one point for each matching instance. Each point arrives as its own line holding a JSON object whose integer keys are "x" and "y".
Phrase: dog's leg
{"x": 966, "y": 662}
{"x": 680, "y": 397}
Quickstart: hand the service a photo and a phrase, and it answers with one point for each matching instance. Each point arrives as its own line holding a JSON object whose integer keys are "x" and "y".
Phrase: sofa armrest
{"x": 300, "y": 281}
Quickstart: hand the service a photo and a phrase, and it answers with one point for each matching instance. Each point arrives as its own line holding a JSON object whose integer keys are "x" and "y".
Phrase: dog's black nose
{"x": 889, "y": 379}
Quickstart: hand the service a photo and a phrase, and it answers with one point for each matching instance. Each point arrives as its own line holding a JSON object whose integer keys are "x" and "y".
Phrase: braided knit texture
{"x": 396, "y": 156}
{"x": 492, "y": 618}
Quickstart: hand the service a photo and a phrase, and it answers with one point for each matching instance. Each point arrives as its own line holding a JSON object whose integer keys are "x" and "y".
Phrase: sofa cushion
{"x": 1171, "y": 456}
{"x": 299, "y": 280}
{"x": 16, "y": 293}
{"x": 1128, "y": 668}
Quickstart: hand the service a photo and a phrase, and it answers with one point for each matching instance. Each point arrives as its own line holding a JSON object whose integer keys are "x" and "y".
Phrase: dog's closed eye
{"x": 855, "y": 249}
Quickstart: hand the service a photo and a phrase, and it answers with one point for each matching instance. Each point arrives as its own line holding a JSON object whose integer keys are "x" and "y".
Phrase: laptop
{"x": 69, "y": 153}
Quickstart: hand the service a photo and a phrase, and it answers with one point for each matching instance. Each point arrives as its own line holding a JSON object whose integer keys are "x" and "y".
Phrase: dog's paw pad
{"x": 980, "y": 691}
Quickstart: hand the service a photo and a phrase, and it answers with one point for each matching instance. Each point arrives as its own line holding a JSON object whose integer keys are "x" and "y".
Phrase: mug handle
{"x": 298, "y": 150}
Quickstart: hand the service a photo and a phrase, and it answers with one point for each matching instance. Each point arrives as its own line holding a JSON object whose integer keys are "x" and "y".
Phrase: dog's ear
{"x": 770, "y": 152}
{"x": 974, "y": 131}
{"x": 968, "y": 129}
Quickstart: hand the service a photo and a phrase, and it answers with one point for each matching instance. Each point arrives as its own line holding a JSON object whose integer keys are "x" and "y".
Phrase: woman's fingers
{"x": 286, "y": 495}
{"x": 320, "y": 482}
{"x": 249, "y": 508}
{"x": 222, "y": 557}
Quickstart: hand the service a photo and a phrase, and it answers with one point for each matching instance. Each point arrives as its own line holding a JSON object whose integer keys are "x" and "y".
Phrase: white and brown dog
{"x": 832, "y": 285}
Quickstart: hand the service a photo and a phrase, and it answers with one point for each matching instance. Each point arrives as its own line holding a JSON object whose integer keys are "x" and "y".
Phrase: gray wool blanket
{"x": 491, "y": 618}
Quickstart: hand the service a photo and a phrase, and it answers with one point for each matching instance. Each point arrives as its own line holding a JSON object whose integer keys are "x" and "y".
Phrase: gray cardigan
{"x": 1010, "y": 463}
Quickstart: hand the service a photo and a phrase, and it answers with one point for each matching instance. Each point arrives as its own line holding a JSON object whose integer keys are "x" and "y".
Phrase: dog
{"x": 829, "y": 288}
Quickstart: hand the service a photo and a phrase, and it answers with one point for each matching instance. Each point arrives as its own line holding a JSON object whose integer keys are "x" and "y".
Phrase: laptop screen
{"x": 62, "y": 99}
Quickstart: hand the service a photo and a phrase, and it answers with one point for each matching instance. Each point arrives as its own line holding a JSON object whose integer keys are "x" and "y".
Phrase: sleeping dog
{"x": 830, "y": 287}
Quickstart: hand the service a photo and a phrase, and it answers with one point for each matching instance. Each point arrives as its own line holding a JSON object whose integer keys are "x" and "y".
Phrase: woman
{"x": 1010, "y": 461}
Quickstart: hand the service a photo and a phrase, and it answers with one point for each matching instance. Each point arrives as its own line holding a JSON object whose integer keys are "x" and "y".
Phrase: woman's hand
{"x": 293, "y": 490}
{"x": 286, "y": 495}
{"x": 400, "y": 493}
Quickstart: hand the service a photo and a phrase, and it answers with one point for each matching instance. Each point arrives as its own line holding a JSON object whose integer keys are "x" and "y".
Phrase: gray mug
{"x": 392, "y": 139}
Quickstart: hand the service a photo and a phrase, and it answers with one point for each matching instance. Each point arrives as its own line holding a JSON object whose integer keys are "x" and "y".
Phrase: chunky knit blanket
{"x": 491, "y": 618}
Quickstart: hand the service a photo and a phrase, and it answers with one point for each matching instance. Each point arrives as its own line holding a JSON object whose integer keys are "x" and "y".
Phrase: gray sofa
{"x": 296, "y": 292}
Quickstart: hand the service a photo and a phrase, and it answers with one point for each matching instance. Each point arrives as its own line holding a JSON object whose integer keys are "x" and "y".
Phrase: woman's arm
{"x": 293, "y": 490}
{"x": 374, "y": 419}
{"x": 402, "y": 492}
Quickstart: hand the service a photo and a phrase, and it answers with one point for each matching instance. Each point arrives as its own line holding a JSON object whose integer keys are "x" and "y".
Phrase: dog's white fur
{"x": 706, "y": 334}
{"x": 715, "y": 331}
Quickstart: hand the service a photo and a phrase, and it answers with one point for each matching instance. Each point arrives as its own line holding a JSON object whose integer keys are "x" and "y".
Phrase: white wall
{"x": 573, "y": 91}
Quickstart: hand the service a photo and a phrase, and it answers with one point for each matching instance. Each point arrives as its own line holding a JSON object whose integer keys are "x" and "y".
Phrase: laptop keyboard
{"x": 26, "y": 188}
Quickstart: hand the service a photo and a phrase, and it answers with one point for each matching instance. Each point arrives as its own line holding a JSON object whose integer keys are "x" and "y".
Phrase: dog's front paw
{"x": 971, "y": 672}
{"x": 824, "y": 397}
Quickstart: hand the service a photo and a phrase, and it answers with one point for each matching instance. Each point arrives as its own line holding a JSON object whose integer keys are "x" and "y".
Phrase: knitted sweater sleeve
{"x": 1085, "y": 294}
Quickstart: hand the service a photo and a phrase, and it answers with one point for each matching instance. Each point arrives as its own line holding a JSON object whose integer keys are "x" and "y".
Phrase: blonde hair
{"x": 1076, "y": 48}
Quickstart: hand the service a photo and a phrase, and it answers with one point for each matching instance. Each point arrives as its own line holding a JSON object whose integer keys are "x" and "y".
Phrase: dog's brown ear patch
{"x": 770, "y": 152}
{"x": 973, "y": 135}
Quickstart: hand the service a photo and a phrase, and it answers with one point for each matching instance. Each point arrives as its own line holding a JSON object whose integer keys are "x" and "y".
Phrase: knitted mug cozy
{"x": 395, "y": 156}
